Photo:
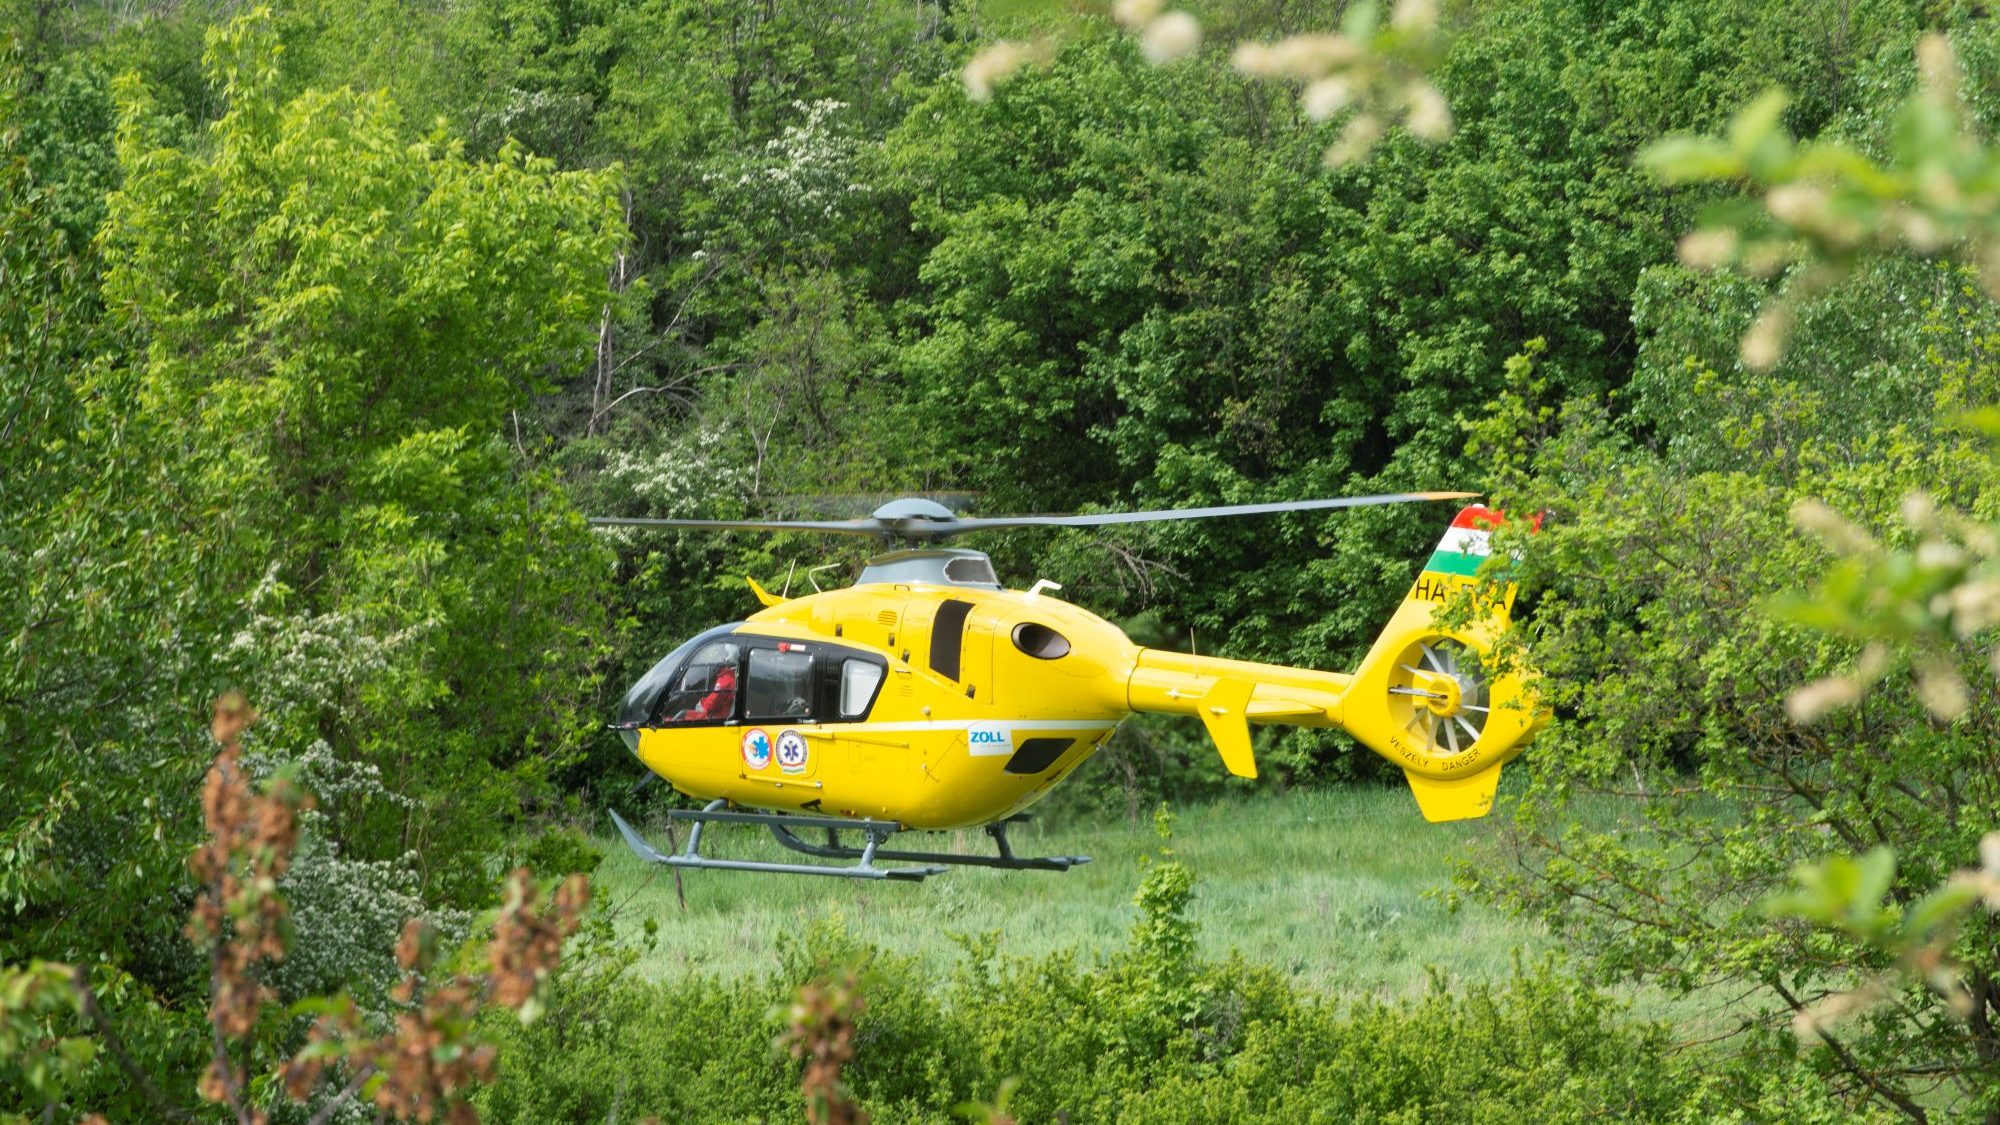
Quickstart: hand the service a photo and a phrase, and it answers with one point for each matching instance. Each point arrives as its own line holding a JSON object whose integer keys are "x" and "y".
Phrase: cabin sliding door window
{"x": 780, "y": 685}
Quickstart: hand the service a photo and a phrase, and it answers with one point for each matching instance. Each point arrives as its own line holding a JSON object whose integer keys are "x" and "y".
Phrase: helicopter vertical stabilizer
{"x": 1225, "y": 710}
{"x": 1429, "y": 697}
{"x": 1462, "y": 798}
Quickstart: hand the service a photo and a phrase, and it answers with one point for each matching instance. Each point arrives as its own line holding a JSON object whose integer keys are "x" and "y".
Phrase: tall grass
{"x": 1335, "y": 888}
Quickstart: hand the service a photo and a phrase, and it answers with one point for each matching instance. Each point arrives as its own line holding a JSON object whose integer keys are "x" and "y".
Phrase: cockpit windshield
{"x": 642, "y": 703}
{"x": 706, "y": 692}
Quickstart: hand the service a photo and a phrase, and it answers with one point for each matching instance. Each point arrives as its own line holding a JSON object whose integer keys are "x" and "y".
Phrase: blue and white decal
{"x": 756, "y": 748}
{"x": 792, "y": 752}
{"x": 987, "y": 740}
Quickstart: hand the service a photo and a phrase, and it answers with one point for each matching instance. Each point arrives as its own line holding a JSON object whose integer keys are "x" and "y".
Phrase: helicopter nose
{"x": 635, "y": 710}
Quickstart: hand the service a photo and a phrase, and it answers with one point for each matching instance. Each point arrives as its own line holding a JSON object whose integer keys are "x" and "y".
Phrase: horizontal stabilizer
{"x": 1455, "y": 798}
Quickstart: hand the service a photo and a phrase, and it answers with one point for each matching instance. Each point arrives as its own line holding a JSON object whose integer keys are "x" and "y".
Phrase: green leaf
{"x": 1757, "y": 124}
{"x": 1690, "y": 159}
{"x": 1937, "y": 909}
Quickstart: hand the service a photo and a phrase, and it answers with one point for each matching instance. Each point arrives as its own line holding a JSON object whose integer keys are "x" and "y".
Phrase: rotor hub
{"x": 1444, "y": 694}
{"x": 1440, "y": 695}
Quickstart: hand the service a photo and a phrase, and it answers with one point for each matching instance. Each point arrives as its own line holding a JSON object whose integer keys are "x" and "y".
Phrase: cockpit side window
{"x": 705, "y": 691}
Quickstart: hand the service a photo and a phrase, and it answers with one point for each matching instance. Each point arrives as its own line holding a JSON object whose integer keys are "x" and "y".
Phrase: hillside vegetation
{"x": 323, "y": 326}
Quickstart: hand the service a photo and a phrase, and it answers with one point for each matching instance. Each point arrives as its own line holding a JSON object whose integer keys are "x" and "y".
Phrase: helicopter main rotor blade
{"x": 916, "y": 520}
{"x": 1104, "y": 519}
{"x": 843, "y": 527}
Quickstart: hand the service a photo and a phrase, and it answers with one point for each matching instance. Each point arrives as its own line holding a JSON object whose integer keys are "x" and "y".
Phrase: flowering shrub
{"x": 676, "y": 480}
{"x": 807, "y": 172}
{"x": 304, "y": 663}
{"x": 417, "y": 1059}
{"x": 346, "y": 915}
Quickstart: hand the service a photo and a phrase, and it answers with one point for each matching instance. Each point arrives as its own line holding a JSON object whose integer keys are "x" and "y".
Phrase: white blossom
{"x": 680, "y": 479}
{"x": 346, "y": 913}
{"x": 1172, "y": 36}
{"x": 992, "y": 66}
{"x": 297, "y": 663}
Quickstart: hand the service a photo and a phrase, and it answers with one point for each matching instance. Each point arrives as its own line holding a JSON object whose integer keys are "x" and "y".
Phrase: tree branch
{"x": 79, "y": 977}
{"x": 353, "y": 1086}
{"x": 1853, "y": 1065}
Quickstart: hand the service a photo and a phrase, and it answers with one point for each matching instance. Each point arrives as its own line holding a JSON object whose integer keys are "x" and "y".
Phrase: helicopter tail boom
{"x": 1229, "y": 695}
{"x": 1428, "y": 696}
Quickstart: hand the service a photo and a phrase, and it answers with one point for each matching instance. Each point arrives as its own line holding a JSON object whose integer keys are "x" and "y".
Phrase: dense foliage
{"x": 1671, "y": 674}
{"x": 320, "y": 327}
{"x": 1152, "y": 1034}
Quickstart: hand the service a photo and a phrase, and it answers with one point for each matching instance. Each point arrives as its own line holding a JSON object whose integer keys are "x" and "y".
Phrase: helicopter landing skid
{"x": 875, "y": 832}
{"x": 781, "y": 827}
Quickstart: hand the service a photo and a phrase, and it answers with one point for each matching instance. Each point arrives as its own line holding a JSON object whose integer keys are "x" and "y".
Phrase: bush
{"x": 1149, "y": 1034}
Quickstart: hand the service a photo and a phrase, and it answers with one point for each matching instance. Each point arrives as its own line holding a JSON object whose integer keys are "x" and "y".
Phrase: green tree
{"x": 110, "y": 614}
{"x": 104, "y": 593}
{"x": 338, "y": 322}
{"x": 1670, "y": 673}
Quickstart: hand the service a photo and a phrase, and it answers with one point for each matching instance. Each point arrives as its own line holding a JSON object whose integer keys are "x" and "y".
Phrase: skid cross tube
{"x": 1006, "y": 860}
{"x": 691, "y": 856}
{"x": 875, "y": 833}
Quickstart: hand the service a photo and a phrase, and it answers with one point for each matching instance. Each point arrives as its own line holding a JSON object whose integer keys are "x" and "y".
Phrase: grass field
{"x": 1334, "y": 887}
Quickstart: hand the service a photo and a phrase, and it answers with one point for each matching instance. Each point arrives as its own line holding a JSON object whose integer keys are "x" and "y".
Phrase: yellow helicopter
{"x": 927, "y": 696}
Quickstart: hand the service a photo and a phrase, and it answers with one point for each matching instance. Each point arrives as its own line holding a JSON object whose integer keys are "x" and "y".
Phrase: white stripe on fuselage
{"x": 958, "y": 724}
